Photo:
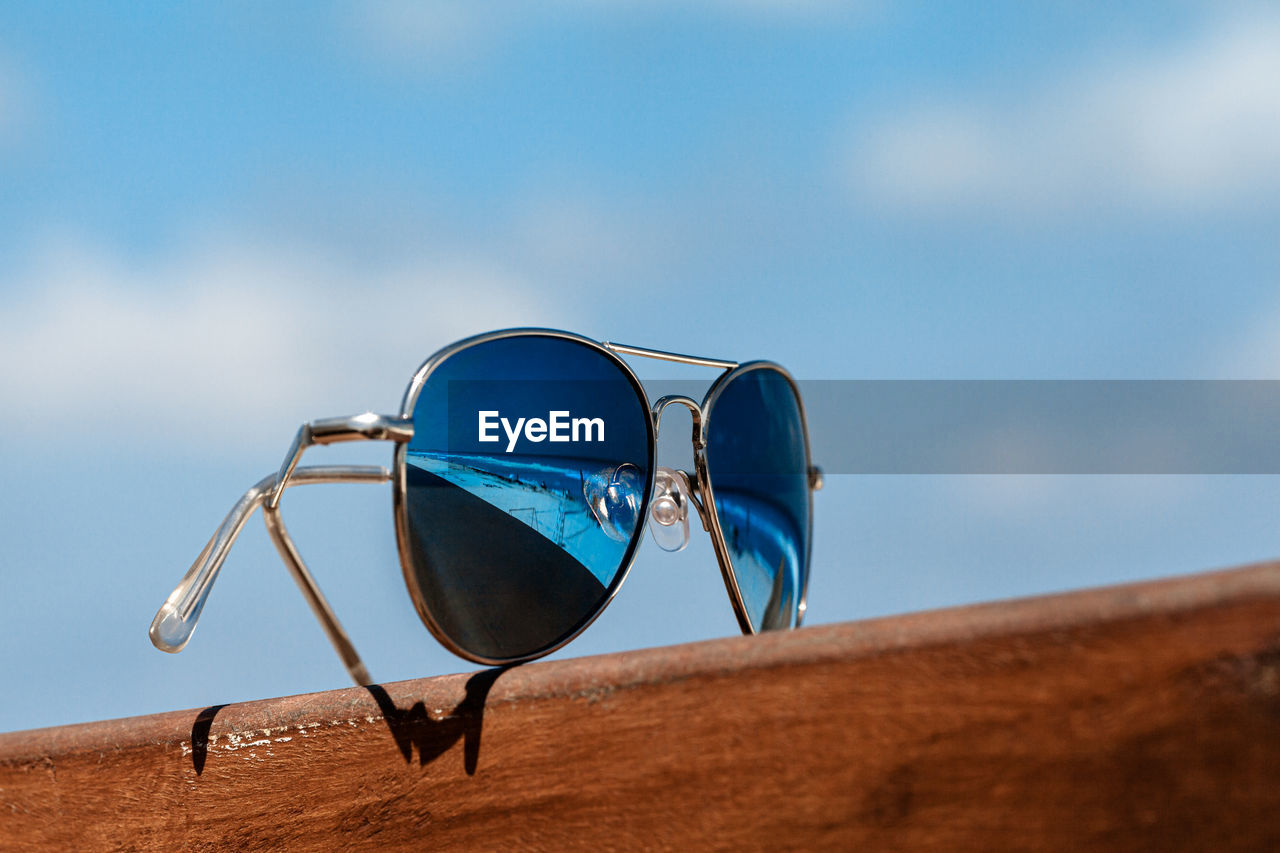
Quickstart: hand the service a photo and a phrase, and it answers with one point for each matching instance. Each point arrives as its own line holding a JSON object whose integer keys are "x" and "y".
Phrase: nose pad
{"x": 614, "y": 497}
{"x": 669, "y": 511}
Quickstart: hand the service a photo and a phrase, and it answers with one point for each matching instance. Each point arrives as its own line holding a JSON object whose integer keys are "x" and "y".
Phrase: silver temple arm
{"x": 177, "y": 618}
{"x": 367, "y": 427}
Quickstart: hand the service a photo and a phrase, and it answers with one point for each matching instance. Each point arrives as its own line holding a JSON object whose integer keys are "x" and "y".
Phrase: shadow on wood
{"x": 1143, "y": 715}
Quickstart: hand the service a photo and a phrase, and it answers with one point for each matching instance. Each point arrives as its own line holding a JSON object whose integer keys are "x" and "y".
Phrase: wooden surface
{"x": 1139, "y": 716}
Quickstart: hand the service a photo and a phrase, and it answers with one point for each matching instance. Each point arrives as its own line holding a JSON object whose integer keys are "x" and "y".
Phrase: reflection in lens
{"x": 758, "y": 467}
{"x": 525, "y": 481}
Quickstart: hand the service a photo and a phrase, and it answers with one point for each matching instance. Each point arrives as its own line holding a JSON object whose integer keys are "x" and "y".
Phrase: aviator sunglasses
{"x": 523, "y": 480}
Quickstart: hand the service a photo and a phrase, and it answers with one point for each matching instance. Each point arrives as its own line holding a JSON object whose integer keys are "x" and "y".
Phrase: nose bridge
{"x": 695, "y": 411}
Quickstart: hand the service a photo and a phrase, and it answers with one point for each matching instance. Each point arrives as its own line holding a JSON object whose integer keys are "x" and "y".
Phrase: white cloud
{"x": 431, "y": 32}
{"x": 441, "y": 34}
{"x": 778, "y": 10}
{"x": 578, "y": 237}
{"x": 1196, "y": 128}
{"x": 233, "y": 341}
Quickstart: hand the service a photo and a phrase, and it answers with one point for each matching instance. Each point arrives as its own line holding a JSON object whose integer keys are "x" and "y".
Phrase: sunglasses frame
{"x": 399, "y": 490}
{"x": 707, "y": 491}
{"x": 182, "y": 608}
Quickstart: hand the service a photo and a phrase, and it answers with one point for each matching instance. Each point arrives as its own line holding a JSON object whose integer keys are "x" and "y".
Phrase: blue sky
{"x": 219, "y": 221}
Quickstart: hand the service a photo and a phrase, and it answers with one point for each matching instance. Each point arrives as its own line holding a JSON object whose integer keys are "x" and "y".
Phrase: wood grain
{"x": 1137, "y": 716}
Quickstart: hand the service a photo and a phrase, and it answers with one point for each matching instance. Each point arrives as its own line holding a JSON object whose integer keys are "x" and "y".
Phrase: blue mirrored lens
{"x": 526, "y": 481}
{"x": 758, "y": 466}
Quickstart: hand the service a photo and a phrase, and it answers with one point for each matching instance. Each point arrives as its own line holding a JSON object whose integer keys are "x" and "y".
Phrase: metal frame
{"x": 178, "y": 616}
{"x": 700, "y": 481}
{"x": 400, "y": 486}
{"x": 708, "y": 494}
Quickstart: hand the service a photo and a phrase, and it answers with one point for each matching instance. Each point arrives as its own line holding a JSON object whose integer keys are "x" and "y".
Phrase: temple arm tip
{"x": 169, "y": 632}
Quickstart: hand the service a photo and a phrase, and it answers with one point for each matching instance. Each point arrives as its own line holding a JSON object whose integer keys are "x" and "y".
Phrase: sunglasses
{"x": 523, "y": 476}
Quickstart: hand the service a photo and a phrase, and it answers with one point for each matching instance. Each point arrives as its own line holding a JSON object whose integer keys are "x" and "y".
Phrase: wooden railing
{"x": 1137, "y": 716}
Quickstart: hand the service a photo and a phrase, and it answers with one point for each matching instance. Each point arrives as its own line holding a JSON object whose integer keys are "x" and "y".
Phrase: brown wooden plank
{"x": 1144, "y": 715}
